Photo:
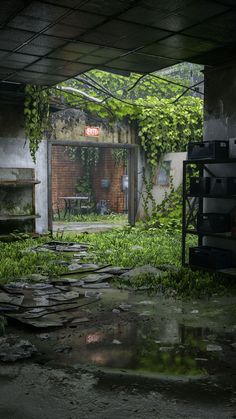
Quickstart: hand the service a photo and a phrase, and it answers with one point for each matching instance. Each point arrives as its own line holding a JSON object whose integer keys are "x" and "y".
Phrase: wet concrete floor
{"x": 131, "y": 356}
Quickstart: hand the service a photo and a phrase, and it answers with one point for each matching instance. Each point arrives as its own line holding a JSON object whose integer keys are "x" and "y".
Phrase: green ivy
{"x": 119, "y": 156}
{"x": 166, "y": 122}
{"x": 169, "y": 127}
{"x": 36, "y": 113}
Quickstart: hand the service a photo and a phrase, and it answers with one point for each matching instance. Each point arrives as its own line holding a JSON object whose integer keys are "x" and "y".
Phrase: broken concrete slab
{"x": 68, "y": 282}
{"x": 44, "y": 306}
{"x": 12, "y": 348}
{"x": 125, "y": 306}
{"x": 81, "y": 270}
{"x": 86, "y": 266}
{"x": 95, "y": 278}
{"x": 213, "y": 348}
{"x": 97, "y": 285}
{"x": 66, "y": 296}
{"x": 146, "y": 269}
{"x": 57, "y": 246}
{"x": 93, "y": 294}
{"x": 10, "y": 301}
{"x": 38, "y": 277}
{"x": 80, "y": 320}
{"x": 116, "y": 270}
{"x": 74, "y": 267}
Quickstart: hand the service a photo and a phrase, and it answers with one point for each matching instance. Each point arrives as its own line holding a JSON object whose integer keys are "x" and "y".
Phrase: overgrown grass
{"x": 126, "y": 247}
{"x": 18, "y": 261}
{"x": 182, "y": 283}
{"x": 130, "y": 247}
{"x": 133, "y": 247}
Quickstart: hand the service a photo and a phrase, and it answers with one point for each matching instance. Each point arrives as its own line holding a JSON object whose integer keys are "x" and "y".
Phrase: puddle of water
{"x": 156, "y": 336}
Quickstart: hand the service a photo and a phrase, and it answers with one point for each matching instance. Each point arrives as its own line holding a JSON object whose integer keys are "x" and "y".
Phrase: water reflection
{"x": 157, "y": 336}
{"x": 130, "y": 346}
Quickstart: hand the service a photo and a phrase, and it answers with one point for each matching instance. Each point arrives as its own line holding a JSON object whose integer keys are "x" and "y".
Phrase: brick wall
{"x": 107, "y": 169}
{"x": 65, "y": 175}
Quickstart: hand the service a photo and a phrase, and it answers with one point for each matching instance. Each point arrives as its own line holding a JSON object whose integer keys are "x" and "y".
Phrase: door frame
{"x": 132, "y": 173}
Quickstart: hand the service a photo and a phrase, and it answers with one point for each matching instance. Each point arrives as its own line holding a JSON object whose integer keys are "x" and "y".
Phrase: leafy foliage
{"x": 166, "y": 121}
{"x": 169, "y": 127}
{"x": 36, "y": 112}
{"x": 168, "y": 116}
{"x": 89, "y": 157}
{"x": 168, "y": 214}
{"x": 119, "y": 156}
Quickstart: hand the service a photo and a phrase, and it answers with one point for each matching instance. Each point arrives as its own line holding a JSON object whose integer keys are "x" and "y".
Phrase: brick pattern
{"x": 65, "y": 175}
{"x": 107, "y": 169}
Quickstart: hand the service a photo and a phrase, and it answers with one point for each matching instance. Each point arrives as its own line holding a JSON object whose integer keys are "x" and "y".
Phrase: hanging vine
{"x": 119, "y": 156}
{"x": 36, "y": 113}
{"x": 170, "y": 127}
{"x": 89, "y": 156}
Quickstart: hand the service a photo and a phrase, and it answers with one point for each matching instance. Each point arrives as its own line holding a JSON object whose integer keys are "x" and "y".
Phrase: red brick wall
{"x": 65, "y": 175}
{"x": 107, "y": 169}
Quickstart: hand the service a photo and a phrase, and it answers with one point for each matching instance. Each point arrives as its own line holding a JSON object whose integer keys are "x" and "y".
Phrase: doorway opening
{"x": 92, "y": 187}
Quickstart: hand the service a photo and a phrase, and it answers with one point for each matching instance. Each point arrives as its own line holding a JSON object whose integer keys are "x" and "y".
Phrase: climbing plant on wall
{"x": 119, "y": 156}
{"x": 167, "y": 115}
{"x": 89, "y": 158}
{"x": 169, "y": 126}
{"x": 167, "y": 119}
{"x": 36, "y": 113}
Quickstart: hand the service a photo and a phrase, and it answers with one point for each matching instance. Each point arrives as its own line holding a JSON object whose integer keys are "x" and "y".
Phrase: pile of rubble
{"x": 55, "y": 303}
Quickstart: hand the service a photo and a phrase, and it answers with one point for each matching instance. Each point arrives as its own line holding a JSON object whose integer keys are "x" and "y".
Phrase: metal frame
{"x": 140, "y": 61}
{"x": 132, "y": 173}
{"x": 191, "y": 203}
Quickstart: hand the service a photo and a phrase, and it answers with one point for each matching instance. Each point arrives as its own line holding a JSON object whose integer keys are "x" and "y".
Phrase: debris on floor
{"x": 12, "y": 348}
{"x": 59, "y": 246}
{"x": 146, "y": 269}
{"x": 57, "y": 302}
{"x": 45, "y": 306}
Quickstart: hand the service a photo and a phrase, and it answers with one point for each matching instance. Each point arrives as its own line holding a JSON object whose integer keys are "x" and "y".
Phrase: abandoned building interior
{"x": 46, "y": 43}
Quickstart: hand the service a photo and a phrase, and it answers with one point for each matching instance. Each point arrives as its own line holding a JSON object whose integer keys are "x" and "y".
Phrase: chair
{"x": 83, "y": 206}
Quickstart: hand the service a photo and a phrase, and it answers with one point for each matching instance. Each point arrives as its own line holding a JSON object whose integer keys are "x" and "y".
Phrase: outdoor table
{"x": 69, "y": 200}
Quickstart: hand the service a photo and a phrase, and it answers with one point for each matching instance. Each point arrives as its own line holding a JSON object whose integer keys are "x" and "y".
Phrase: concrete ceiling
{"x": 46, "y": 42}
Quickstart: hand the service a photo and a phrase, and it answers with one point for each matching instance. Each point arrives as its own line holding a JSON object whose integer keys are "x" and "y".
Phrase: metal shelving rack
{"x": 192, "y": 204}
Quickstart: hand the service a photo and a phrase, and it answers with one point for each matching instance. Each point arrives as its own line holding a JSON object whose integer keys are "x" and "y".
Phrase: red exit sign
{"x": 92, "y": 131}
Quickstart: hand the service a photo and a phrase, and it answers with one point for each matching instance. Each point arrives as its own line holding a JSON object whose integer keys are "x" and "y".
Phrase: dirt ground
{"x": 154, "y": 358}
{"x": 31, "y": 391}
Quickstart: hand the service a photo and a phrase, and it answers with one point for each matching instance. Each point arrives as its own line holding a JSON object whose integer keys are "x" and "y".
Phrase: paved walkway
{"x": 78, "y": 227}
